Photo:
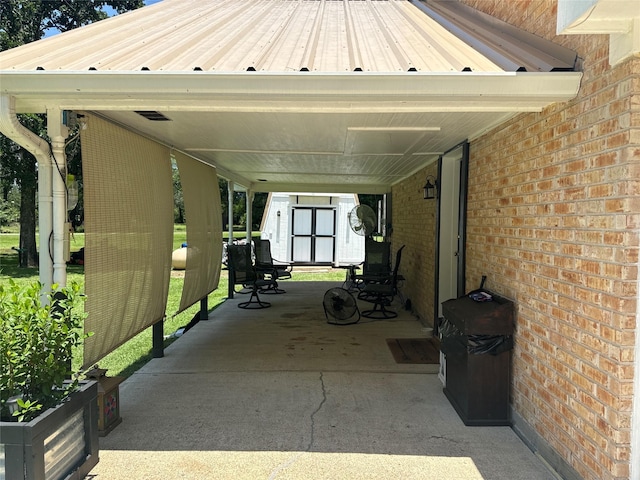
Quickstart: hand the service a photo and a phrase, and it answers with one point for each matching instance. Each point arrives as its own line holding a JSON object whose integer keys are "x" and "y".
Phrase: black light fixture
{"x": 429, "y": 189}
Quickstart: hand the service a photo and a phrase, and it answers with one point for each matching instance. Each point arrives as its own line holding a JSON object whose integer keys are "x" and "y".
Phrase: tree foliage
{"x": 24, "y": 22}
{"x": 239, "y": 207}
{"x": 27, "y": 21}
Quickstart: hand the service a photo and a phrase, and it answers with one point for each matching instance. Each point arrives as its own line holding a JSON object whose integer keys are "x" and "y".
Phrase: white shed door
{"x": 313, "y": 235}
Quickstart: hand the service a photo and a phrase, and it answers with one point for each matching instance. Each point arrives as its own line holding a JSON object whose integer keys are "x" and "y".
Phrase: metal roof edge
{"x": 43, "y": 83}
{"x": 498, "y": 39}
{"x": 500, "y": 91}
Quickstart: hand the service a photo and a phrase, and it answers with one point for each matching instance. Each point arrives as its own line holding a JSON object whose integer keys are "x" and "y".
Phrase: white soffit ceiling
{"x": 328, "y": 95}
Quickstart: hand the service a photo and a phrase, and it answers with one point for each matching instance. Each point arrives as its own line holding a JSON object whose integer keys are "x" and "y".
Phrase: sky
{"x": 110, "y": 11}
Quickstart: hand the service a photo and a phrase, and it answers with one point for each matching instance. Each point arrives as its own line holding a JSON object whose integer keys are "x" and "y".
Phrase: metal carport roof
{"x": 291, "y": 95}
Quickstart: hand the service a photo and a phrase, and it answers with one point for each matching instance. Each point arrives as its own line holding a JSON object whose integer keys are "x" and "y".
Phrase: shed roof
{"x": 332, "y": 95}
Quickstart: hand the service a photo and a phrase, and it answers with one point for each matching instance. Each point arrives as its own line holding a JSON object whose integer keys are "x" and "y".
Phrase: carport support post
{"x": 157, "y": 348}
{"x": 204, "y": 308}
{"x": 249, "y": 201}
{"x": 58, "y": 133}
{"x": 230, "y": 188}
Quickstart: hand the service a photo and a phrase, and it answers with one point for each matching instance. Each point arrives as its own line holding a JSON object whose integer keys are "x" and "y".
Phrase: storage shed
{"x": 312, "y": 228}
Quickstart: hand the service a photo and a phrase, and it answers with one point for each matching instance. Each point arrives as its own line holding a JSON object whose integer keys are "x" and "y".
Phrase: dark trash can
{"x": 477, "y": 340}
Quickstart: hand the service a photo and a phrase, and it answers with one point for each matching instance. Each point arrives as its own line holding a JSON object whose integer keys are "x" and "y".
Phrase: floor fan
{"x": 340, "y": 307}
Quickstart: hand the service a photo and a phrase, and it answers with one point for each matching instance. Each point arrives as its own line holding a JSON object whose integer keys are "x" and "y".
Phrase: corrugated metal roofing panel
{"x": 281, "y": 36}
{"x": 275, "y": 127}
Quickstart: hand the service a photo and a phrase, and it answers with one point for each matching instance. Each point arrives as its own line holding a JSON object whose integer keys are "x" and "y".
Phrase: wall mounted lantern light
{"x": 429, "y": 189}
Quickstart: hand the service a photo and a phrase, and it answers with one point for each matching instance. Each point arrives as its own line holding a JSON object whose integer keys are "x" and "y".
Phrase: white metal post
{"x": 249, "y": 202}
{"x": 230, "y": 188}
{"x": 58, "y": 133}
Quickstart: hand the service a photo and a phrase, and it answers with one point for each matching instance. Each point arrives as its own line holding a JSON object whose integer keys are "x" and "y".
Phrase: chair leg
{"x": 272, "y": 289}
{"x": 254, "y": 304}
{"x": 379, "y": 310}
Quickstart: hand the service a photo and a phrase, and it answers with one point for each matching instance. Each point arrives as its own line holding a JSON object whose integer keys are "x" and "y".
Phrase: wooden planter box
{"x": 61, "y": 443}
{"x": 108, "y": 404}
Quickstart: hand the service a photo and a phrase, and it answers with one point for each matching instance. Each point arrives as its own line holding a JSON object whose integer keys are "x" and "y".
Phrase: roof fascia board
{"x": 274, "y": 92}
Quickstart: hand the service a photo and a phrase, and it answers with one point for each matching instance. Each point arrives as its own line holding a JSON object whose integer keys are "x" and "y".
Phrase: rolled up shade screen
{"x": 128, "y": 205}
{"x": 203, "y": 215}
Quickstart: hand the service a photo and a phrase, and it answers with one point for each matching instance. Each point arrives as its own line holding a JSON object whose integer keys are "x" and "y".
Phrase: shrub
{"x": 36, "y": 346}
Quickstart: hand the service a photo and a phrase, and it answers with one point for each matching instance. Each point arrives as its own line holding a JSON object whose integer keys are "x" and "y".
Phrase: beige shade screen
{"x": 203, "y": 214}
{"x": 128, "y": 205}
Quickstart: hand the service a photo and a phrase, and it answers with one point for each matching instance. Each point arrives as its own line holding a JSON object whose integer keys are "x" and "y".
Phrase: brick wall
{"x": 414, "y": 226}
{"x": 553, "y": 222}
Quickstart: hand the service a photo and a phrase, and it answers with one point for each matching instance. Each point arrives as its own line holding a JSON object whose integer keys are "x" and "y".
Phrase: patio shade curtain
{"x": 204, "y": 229}
{"x": 128, "y": 204}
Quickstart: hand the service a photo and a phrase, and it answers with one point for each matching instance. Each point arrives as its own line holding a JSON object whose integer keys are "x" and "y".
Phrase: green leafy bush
{"x": 36, "y": 345}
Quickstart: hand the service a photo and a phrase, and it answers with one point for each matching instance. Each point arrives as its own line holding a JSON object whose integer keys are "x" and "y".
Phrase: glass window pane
{"x": 302, "y": 221}
{"x": 302, "y": 249}
{"x": 324, "y": 249}
{"x": 325, "y": 224}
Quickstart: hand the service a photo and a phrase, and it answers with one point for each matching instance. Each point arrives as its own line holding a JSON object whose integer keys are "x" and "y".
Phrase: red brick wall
{"x": 553, "y": 222}
{"x": 414, "y": 226}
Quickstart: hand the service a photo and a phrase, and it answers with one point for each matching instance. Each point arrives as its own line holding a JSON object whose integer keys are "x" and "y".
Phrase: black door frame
{"x": 462, "y": 229}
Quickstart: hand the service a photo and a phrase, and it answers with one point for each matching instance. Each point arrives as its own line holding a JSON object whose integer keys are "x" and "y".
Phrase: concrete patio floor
{"x": 280, "y": 394}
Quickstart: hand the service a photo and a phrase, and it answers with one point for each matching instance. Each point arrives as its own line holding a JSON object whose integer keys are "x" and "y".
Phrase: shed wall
{"x": 349, "y": 247}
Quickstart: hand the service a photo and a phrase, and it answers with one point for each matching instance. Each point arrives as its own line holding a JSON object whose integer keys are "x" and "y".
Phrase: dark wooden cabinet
{"x": 478, "y": 383}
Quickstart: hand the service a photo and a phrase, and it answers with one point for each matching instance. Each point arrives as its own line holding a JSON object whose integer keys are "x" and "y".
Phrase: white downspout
{"x": 39, "y": 148}
{"x": 58, "y": 134}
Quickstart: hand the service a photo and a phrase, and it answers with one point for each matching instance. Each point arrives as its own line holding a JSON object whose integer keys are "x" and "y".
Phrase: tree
{"x": 178, "y": 197}
{"x": 24, "y": 22}
{"x": 239, "y": 207}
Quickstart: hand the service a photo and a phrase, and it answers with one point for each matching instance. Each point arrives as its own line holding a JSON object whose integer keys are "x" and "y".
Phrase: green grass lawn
{"x": 136, "y": 352}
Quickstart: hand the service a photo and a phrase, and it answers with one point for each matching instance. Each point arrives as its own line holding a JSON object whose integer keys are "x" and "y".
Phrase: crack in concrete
{"x": 313, "y": 414}
{"x": 446, "y": 439}
{"x": 294, "y": 459}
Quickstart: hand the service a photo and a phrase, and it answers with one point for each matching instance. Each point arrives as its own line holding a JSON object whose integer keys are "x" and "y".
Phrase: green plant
{"x": 36, "y": 347}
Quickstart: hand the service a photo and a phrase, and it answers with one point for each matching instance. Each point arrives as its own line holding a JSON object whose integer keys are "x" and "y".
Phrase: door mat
{"x": 415, "y": 350}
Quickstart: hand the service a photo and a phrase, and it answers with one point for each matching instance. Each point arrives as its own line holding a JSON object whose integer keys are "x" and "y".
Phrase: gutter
{"x": 38, "y": 147}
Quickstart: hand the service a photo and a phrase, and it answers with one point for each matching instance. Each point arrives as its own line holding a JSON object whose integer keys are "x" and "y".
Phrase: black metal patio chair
{"x": 242, "y": 272}
{"x": 382, "y": 292}
{"x": 377, "y": 263}
{"x": 269, "y": 268}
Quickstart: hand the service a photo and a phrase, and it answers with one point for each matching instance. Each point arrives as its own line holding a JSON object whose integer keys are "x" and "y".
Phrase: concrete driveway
{"x": 280, "y": 394}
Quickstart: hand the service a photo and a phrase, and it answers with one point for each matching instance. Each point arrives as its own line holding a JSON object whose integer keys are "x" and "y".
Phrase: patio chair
{"x": 377, "y": 263}
{"x": 269, "y": 268}
{"x": 382, "y": 293}
{"x": 242, "y": 272}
